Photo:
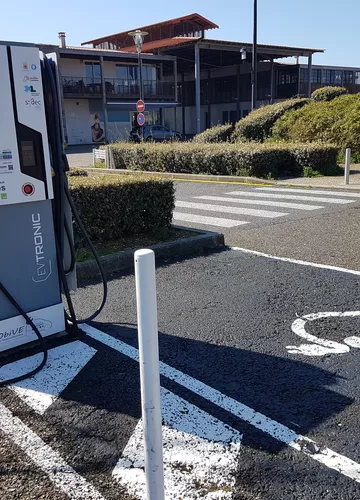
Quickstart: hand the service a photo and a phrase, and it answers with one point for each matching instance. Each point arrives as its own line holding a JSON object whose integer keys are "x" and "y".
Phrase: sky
{"x": 329, "y": 24}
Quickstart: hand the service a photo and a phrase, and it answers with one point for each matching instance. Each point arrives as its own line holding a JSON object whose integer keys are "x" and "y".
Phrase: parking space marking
{"x": 280, "y": 432}
{"x": 278, "y": 195}
{"x": 210, "y": 221}
{"x": 296, "y": 261}
{"x": 243, "y": 201}
{"x": 230, "y": 210}
{"x": 48, "y": 460}
{"x": 311, "y": 191}
{"x": 322, "y": 347}
{"x": 201, "y": 454}
{"x": 41, "y": 390}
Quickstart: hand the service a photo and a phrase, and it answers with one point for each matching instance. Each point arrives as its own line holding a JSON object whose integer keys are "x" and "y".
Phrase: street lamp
{"x": 138, "y": 37}
{"x": 254, "y": 61}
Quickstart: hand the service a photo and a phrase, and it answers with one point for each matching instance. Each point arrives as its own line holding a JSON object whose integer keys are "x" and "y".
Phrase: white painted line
{"x": 325, "y": 456}
{"x": 229, "y": 210}
{"x": 313, "y": 191}
{"x": 210, "y": 221}
{"x": 317, "y": 199}
{"x": 280, "y": 204}
{"x": 295, "y": 261}
{"x": 41, "y": 390}
{"x": 48, "y": 460}
{"x": 322, "y": 347}
{"x": 198, "y": 449}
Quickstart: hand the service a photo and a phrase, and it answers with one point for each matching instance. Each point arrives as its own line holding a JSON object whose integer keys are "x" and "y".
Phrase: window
{"x": 326, "y": 76}
{"x": 304, "y": 75}
{"x": 336, "y": 76}
{"x": 118, "y": 116}
{"x": 225, "y": 117}
{"x": 132, "y": 73}
{"x": 357, "y": 77}
{"x": 348, "y": 77}
{"x": 93, "y": 71}
{"x": 287, "y": 77}
{"x": 233, "y": 116}
{"x": 316, "y": 76}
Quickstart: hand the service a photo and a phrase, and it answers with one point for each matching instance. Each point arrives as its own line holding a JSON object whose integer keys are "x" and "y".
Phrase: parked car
{"x": 155, "y": 133}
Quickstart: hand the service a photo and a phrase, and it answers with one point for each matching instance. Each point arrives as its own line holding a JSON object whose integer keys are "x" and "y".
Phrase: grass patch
{"x": 133, "y": 242}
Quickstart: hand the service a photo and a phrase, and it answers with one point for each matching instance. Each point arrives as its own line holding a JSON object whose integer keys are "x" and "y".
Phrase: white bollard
{"x": 347, "y": 165}
{"x": 149, "y": 372}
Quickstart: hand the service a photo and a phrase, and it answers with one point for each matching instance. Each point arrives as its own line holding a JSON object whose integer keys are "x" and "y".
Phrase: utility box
{"x": 28, "y": 263}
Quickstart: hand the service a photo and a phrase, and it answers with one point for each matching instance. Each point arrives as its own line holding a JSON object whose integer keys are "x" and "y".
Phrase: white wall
{"x": 72, "y": 67}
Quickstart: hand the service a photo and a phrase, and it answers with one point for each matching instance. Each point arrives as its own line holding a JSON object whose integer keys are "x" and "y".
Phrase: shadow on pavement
{"x": 293, "y": 393}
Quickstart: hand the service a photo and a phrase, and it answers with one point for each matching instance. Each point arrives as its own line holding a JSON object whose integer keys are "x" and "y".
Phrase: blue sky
{"x": 329, "y": 24}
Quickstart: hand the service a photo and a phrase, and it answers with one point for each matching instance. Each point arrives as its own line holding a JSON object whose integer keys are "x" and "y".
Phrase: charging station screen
{"x": 28, "y": 154}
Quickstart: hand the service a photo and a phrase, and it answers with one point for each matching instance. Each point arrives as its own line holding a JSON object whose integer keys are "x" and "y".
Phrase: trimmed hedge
{"x": 335, "y": 121}
{"x": 258, "y": 160}
{"x": 113, "y": 206}
{"x": 219, "y": 133}
{"x": 328, "y": 93}
{"x": 257, "y": 125}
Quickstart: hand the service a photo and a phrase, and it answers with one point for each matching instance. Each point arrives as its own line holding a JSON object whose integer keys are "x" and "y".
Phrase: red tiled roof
{"x": 162, "y": 44}
{"x": 196, "y": 18}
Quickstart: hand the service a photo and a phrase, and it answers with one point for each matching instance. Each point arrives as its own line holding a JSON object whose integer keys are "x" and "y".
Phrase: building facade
{"x": 191, "y": 82}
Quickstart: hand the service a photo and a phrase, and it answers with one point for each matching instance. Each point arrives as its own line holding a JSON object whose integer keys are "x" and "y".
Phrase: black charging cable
{"x": 29, "y": 322}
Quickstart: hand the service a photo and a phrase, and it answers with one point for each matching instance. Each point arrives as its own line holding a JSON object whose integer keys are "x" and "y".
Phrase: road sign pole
{"x": 149, "y": 372}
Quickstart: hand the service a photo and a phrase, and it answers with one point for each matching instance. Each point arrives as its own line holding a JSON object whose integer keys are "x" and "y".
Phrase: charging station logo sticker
{"x": 28, "y": 189}
{"x": 5, "y": 154}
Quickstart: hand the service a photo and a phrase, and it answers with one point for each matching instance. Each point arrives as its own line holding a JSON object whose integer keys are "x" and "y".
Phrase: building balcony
{"x": 117, "y": 88}
{"x": 129, "y": 89}
{"x": 81, "y": 87}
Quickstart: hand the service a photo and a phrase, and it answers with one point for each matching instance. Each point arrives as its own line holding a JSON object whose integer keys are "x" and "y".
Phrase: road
{"x": 318, "y": 225}
{"x": 260, "y": 394}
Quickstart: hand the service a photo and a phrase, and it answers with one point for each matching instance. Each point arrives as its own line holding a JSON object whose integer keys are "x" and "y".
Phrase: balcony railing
{"x": 117, "y": 88}
{"x": 81, "y": 86}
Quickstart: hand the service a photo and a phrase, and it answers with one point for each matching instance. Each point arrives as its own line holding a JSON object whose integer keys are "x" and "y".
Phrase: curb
{"x": 222, "y": 179}
{"x": 189, "y": 247}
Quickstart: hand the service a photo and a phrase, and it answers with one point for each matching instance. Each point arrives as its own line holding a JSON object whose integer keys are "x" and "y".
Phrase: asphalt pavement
{"x": 237, "y": 385}
{"x": 314, "y": 224}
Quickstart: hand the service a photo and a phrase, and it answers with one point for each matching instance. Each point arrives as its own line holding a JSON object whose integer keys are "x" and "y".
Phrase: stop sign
{"x": 140, "y": 106}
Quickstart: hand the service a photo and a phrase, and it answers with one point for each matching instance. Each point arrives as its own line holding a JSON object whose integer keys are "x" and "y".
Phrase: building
{"x": 99, "y": 89}
{"x": 191, "y": 81}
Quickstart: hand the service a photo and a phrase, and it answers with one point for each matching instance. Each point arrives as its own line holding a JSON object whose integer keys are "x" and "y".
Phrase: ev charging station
{"x": 28, "y": 263}
{"x": 37, "y": 256}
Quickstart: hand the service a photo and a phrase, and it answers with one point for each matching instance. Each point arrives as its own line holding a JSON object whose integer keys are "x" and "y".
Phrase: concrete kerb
{"x": 228, "y": 179}
{"x": 185, "y": 247}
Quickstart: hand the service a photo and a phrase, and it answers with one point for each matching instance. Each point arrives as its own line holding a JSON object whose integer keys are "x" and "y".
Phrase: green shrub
{"x": 328, "y": 93}
{"x": 116, "y": 205}
{"x": 257, "y": 125}
{"x": 252, "y": 159}
{"x": 219, "y": 133}
{"x": 335, "y": 121}
{"x": 77, "y": 172}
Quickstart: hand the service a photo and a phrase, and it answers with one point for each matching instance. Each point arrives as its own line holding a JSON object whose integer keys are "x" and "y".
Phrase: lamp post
{"x": 254, "y": 61}
{"x": 138, "y": 37}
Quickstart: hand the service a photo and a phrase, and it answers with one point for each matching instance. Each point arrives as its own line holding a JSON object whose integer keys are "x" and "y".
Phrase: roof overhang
{"x": 195, "y": 18}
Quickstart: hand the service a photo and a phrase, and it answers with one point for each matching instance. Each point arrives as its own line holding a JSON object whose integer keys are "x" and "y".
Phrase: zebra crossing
{"x": 249, "y": 206}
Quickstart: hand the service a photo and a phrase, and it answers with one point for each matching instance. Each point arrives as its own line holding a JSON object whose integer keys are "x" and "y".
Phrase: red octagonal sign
{"x": 140, "y": 106}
